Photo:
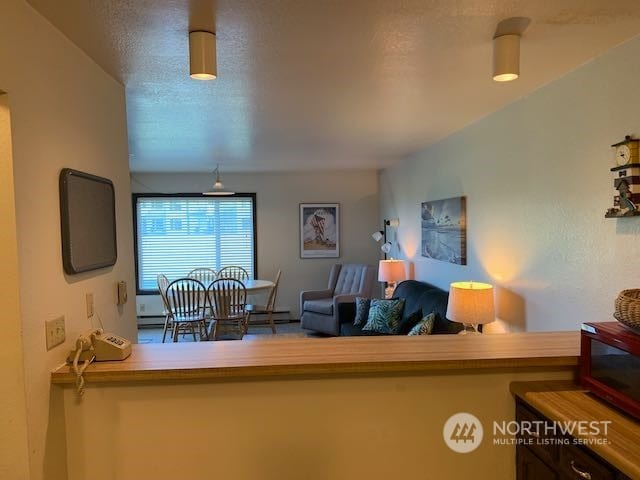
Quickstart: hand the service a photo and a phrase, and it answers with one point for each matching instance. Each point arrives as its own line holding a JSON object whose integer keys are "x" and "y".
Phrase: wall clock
{"x": 626, "y": 152}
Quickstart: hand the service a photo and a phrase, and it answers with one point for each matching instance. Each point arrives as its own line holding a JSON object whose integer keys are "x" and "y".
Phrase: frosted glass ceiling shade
{"x": 202, "y": 55}
{"x": 506, "y": 58}
{"x": 471, "y": 303}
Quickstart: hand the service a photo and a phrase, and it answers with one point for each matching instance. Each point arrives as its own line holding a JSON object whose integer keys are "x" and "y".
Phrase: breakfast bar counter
{"x": 327, "y": 356}
{"x": 313, "y": 408}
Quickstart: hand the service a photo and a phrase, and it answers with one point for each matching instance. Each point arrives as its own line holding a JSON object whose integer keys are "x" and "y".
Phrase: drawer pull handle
{"x": 580, "y": 473}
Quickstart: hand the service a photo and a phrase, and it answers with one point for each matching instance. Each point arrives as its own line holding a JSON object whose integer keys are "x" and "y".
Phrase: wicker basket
{"x": 627, "y": 308}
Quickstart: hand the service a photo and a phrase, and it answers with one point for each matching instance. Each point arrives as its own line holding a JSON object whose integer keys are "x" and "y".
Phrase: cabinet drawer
{"x": 577, "y": 464}
{"x": 546, "y": 451}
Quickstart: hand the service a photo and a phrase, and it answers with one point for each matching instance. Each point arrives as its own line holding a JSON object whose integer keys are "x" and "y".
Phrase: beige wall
{"x": 14, "y": 451}
{"x": 537, "y": 181}
{"x": 66, "y": 112}
{"x": 378, "y": 427}
{"x": 278, "y": 198}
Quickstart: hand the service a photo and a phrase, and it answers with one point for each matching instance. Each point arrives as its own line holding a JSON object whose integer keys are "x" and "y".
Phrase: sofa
{"x": 319, "y": 309}
{"x": 420, "y": 299}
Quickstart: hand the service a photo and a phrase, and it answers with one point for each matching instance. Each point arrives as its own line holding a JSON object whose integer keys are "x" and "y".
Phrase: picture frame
{"x": 444, "y": 230}
{"x": 319, "y": 230}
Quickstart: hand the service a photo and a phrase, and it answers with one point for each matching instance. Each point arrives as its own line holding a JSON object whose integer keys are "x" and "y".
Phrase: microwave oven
{"x": 610, "y": 364}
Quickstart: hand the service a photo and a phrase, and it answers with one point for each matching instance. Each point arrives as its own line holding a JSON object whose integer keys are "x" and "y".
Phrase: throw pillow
{"x": 362, "y": 310}
{"x": 424, "y": 326}
{"x": 406, "y": 324}
{"x": 384, "y": 315}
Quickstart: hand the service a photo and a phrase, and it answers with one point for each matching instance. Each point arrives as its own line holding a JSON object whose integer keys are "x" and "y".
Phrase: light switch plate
{"x": 55, "y": 331}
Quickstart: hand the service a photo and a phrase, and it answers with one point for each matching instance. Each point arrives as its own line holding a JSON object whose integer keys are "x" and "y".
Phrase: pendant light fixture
{"x": 202, "y": 55}
{"x": 218, "y": 188}
{"x": 506, "y": 48}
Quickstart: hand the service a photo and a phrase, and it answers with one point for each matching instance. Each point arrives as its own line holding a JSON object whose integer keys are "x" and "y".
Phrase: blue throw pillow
{"x": 424, "y": 326}
{"x": 384, "y": 315}
{"x": 362, "y": 310}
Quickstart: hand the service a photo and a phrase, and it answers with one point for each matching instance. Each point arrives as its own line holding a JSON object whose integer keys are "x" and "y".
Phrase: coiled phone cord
{"x": 80, "y": 343}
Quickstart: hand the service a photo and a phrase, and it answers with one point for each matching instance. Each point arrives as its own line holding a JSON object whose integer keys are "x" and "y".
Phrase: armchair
{"x": 319, "y": 309}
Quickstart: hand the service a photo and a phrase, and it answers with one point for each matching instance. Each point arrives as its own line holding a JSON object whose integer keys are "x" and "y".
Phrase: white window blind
{"x": 177, "y": 234}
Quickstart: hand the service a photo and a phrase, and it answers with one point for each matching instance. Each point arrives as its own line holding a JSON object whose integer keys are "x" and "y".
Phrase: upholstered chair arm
{"x": 351, "y": 297}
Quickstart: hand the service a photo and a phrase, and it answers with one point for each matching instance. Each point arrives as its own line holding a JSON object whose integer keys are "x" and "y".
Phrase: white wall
{"x": 278, "y": 196}
{"x": 537, "y": 181}
{"x": 14, "y": 451}
{"x": 66, "y": 112}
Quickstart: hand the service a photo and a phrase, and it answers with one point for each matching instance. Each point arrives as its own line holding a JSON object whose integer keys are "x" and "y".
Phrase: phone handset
{"x": 84, "y": 348}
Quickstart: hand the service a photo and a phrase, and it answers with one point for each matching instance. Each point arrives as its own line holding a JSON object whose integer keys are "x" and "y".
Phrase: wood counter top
{"x": 565, "y": 401}
{"x": 331, "y": 356}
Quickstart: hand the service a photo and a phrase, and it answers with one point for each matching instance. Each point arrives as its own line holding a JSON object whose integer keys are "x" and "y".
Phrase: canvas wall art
{"x": 444, "y": 230}
{"x": 319, "y": 230}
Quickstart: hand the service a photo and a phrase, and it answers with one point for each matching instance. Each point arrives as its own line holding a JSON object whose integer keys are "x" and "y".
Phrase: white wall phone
{"x": 99, "y": 346}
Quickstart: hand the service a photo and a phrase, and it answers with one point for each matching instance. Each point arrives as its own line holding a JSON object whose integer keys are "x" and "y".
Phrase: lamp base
{"x": 469, "y": 328}
{"x": 388, "y": 292}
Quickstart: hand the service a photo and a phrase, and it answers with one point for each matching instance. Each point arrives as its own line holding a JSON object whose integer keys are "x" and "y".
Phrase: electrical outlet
{"x": 89, "y": 299}
{"x": 55, "y": 332}
{"x": 142, "y": 308}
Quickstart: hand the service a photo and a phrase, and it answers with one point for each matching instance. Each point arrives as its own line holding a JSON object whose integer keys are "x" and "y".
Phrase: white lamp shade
{"x": 506, "y": 58}
{"x": 471, "y": 303}
{"x": 391, "y": 271}
{"x": 202, "y": 55}
{"x": 377, "y": 236}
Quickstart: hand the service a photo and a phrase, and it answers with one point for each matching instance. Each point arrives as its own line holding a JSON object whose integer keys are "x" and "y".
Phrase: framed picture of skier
{"x": 319, "y": 230}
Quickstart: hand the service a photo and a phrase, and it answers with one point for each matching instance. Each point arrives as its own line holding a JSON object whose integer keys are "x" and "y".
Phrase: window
{"x": 176, "y": 233}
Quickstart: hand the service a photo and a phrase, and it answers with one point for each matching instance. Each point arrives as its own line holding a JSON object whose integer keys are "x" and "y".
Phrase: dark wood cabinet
{"x": 530, "y": 467}
{"x": 538, "y": 458}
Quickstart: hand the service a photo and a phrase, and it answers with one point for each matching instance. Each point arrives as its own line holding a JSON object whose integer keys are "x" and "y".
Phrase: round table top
{"x": 255, "y": 285}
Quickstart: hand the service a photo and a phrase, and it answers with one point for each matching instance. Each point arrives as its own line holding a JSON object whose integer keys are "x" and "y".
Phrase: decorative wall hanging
{"x": 444, "y": 230}
{"x": 319, "y": 230}
{"x": 626, "y": 179}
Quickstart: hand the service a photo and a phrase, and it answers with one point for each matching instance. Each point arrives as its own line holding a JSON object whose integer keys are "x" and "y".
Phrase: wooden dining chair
{"x": 187, "y": 302}
{"x": 163, "y": 283}
{"x": 267, "y": 309}
{"x": 228, "y": 300}
{"x": 234, "y": 271}
{"x": 203, "y": 275}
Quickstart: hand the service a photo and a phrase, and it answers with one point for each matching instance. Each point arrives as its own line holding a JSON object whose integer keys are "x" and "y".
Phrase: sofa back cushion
{"x": 428, "y": 298}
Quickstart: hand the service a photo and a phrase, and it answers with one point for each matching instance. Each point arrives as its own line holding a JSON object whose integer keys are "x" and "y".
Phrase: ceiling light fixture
{"x": 218, "y": 187}
{"x": 202, "y": 55}
{"x": 506, "y": 48}
{"x": 506, "y": 58}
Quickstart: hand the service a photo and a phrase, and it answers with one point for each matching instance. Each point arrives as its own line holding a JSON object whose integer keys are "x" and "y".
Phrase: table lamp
{"x": 391, "y": 271}
{"x": 471, "y": 303}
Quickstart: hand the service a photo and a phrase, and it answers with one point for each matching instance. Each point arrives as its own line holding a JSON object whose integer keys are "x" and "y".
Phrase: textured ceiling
{"x": 314, "y": 84}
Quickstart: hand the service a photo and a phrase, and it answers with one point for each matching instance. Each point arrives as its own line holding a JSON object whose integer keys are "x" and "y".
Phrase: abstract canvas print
{"x": 444, "y": 230}
{"x": 319, "y": 230}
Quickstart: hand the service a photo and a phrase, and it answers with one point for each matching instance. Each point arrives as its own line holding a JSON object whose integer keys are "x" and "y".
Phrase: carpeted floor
{"x": 153, "y": 334}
